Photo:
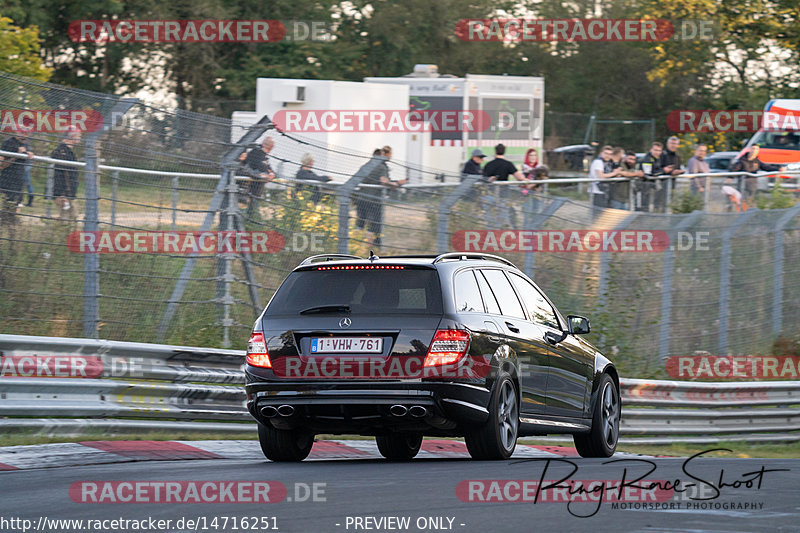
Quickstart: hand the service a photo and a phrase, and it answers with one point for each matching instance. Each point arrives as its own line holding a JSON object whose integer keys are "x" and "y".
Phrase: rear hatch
{"x": 357, "y": 321}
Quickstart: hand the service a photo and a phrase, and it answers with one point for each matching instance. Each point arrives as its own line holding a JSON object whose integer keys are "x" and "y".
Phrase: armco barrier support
{"x": 158, "y": 387}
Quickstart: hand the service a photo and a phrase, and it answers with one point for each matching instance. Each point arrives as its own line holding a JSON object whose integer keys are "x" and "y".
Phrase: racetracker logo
{"x": 572, "y": 30}
{"x": 175, "y": 242}
{"x": 50, "y": 366}
{"x": 742, "y": 120}
{"x": 177, "y": 492}
{"x": 380, "y": 120}
{"x": 176, "y": 31}
{"x": 560, "y": 241}
{"x": 50, "y": 120}
{"x": 733, "y": 367}
{"x": 562, "y": 491}
{"x": 368, "y": 367}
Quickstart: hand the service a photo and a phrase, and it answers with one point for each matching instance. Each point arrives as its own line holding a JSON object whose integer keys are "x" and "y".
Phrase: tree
{"x": 19, "y": 51}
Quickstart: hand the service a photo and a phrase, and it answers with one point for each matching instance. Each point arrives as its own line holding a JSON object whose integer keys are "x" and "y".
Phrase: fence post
{"x": 227, "y": 257}
{"x": 114, "y": 183}
{"x": 48, "y": 189}
{"x": 91, "y": 262}
{"x": 535, "y": 222}
{"x": 707, "y": 194}
{"x": 174, "y": 202}
{"x": 777, "y": 270}
{"x": 443, "y": 211}
{"x": 665, "y": 324}
{"x": 725, "y": 278}
{"x": 343, "y": 195}
{"x": 227, "y": 163}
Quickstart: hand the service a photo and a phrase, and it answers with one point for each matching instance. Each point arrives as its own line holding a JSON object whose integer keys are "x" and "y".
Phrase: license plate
{"x": 346, "y": 345}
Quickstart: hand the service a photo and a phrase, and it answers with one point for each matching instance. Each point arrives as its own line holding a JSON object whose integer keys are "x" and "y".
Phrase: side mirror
{"x": 578, "y": 325}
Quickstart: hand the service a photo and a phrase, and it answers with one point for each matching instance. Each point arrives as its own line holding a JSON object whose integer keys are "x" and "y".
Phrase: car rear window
{"x": 406, "y": 291}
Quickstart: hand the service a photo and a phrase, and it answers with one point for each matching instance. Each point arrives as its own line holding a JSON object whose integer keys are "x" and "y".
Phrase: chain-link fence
{"x": 722, "y": 283}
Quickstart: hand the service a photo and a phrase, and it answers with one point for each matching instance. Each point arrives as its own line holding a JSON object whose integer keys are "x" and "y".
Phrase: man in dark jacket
{"x": 305, "y": 173}
{"x": 256, "y": 166}
{"x": 473, "y": 166}
{"x": 749, "y": 162}
{"x": 670, "y": 164}
{"x": 650, "y": 165}
{"x": 12, "y": 174}
{"x": 369, "y": 201}
{"x": 65, "y": 177}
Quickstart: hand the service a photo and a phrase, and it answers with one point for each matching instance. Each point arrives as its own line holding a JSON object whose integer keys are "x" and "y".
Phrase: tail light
{"x": 448, "y": 346}
{"x": 257, "y": 351}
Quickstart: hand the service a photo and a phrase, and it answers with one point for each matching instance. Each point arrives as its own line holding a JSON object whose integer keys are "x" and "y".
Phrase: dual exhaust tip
{"x": 417, "y": 411}
{"x": 271, "y": 412}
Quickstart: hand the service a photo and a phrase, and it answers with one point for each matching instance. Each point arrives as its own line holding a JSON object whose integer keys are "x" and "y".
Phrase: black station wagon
{"x": 455, "y": 345}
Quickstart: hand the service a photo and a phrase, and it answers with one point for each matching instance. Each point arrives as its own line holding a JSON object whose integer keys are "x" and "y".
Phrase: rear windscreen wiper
{"x": 326, "y": 309}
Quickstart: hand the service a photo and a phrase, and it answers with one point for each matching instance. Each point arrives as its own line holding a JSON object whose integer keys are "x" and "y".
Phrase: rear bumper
{"x": 365, "y": 407}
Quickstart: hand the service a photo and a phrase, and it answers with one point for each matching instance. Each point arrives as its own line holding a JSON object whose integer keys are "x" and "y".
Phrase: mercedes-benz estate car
{"x": 455, "y": 345}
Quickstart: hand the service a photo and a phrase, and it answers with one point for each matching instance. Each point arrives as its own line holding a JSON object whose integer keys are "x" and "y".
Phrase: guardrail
{"x": 122, "y": 387}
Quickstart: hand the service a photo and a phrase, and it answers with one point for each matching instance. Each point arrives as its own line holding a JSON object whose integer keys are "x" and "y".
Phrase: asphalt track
{"x": 425, "y": 491}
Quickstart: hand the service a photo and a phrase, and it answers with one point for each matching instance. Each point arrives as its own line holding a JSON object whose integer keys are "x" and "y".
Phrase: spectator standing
{"x": 65, "y": 177}
{"x": 601, "y": 169}
{"x": 12, "y": 174}
{"x": 697, "y": 164}
{"x": 306, "y": 174}
{"x": 473, "y": 165}
{"x": 628, "y": 169}
{"x": 650, "y": 165}
{"x": 749, "y": 162}
{"x": 499, "y": 169}
{"x": 370, "y": 213}
{"x": 617, "y": 190}
{"x": 670, "y": 164}
{"x": 256, "y": 166}
{"x": 530, "y": 163}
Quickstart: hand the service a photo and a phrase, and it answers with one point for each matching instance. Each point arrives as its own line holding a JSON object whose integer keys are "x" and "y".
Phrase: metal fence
{"x": 724, "y": 285}
{"x": 152, "y": 387}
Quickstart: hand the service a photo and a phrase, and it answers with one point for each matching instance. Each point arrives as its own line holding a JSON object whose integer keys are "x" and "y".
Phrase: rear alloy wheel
{"x": 399, "y": 446}
{"x": 497, "y": 438}
{"x": 601, "y": 441}
{"x": 285, "y": 445}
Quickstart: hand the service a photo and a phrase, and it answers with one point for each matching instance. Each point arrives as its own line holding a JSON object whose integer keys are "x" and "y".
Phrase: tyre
{"x": 497, "y": 438}
{"x": 399, "y": 446}
{"x": 601, "y": 441}
{"x": 285, "y": 445}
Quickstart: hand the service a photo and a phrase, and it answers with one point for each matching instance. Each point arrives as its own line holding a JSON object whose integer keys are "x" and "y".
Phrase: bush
{"x": 777, "y": 199}
{"x": 687, "y": 202}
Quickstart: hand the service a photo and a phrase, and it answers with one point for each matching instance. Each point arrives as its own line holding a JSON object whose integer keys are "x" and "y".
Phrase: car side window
{"x": 489, "y": 299}
{"x": 468, "y": 295}
{"x": 506, "y": 297}
{"x": 540, "y": 310}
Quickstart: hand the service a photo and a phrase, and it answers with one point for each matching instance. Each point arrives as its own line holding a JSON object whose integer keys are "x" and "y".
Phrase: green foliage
{"x": 777, "y": 199}
{"x": 19, "y": 51}
{"x": 686, "y": 202}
